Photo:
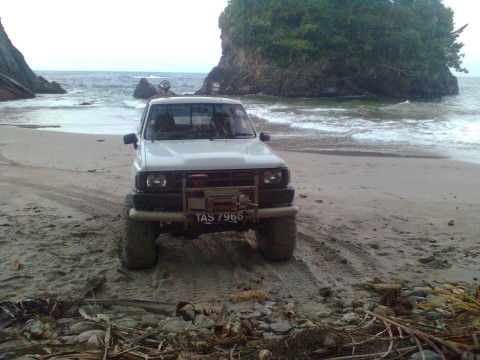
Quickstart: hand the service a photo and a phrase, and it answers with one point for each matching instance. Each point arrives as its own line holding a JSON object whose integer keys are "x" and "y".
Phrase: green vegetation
{"x": 410, "y": 36}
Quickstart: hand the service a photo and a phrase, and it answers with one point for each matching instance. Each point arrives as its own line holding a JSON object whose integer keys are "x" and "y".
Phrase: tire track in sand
{"x": 334, "y": 261}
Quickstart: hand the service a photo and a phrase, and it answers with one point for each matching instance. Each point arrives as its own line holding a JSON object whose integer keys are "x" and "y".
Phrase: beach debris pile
{"x": 395, "y": 322}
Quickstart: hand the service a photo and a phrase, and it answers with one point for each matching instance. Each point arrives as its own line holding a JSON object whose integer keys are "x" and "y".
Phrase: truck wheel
{"x": 137, "y": 243}
{"x": 276, "y": 238}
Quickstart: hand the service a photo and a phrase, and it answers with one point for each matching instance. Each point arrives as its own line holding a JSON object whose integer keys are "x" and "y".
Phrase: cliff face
{"x": 243, "y": 71}
{"x": 17, "y": 80}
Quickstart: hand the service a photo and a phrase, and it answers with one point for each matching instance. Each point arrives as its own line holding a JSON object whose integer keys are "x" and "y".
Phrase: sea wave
{"x": 148, "y": 77}
{"x": 136, "y": 104}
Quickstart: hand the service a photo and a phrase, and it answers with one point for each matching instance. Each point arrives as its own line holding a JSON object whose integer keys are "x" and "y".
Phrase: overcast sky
{"x": 147, "y": 35}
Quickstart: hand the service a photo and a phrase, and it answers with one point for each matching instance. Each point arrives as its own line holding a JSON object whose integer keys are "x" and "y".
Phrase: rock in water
{"x": 146, "y": 90}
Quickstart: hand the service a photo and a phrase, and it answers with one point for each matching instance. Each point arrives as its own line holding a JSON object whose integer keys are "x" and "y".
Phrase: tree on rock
{"x": 386, "y": 47}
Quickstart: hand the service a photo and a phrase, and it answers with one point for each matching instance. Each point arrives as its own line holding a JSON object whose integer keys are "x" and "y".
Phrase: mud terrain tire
{"x": 137, "y": 244}
{"x": 276, "y": 238}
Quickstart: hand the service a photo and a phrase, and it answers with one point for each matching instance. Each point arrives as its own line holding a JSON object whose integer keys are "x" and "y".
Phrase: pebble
{"x": 151, "y": 319}
{"x": 249, "y": 314}
{"x": 237, "y": 327}
{"x": 369, "y": 306}
{"x": 436, "y": 299}
{"x": 94, "y": 342}
{"x": 175, "y": 325}
{"x": 36, "y": 328}
{"x": 270, "y": 336}
{"x": 263, "y": 326}
{"x": 202, "y": 321}
{"x": 264, "y": 310}
{"x": 416, "y": 299}
{"x": 383, "y": 310}
{"x": 128, "y": 323}
{"x": 87, "y": 335}
{"x": 384, "y": 288}
{"x": 417, "y": 293}
{"x": 187, "y": 312}
{"x": 281, "y": 326}
{"x": 204, "y": 331}
{"x": 350, "y": 318}
{"x": 331, "y": 341}
{"x": 424, "y": 289}
{"x": 433, "y": 315}
{"x": 322, "y": 314}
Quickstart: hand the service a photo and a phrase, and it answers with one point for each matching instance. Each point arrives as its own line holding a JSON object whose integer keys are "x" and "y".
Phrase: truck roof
{"x": 193, "y": 100}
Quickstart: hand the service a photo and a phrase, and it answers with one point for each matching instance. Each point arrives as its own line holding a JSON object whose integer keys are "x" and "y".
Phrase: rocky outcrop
{"x": 17, "y": 80}
{"x": 13, "y": 90}
{"x": 146, "y": 90}
{"x": 243, "y": 71}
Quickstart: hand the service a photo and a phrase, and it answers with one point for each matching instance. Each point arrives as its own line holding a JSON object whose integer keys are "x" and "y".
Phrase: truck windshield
{"x": 197, "y": 121}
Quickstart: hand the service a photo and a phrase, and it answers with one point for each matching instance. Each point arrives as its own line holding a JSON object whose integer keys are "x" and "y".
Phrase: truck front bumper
{"x": 250, "y": 215}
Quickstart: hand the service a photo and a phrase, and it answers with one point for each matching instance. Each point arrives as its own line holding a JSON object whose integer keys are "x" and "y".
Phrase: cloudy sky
{"x": 147, "y": 35}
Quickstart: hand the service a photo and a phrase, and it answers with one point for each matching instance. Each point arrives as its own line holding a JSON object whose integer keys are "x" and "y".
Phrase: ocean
{"x": 444, "y": 127}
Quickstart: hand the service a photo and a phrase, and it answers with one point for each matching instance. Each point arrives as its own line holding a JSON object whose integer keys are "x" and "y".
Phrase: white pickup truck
{"x": 201, "y": 167}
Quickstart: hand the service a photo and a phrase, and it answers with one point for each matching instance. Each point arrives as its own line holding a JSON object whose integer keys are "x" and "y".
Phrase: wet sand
{"x": 408, "y": 220}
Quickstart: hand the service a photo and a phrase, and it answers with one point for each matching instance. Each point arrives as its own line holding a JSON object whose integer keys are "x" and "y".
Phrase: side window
{"x": 155, "y": 112}
{"x": 142, "y": 120}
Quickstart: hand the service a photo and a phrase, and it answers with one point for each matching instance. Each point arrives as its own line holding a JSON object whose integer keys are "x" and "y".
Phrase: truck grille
{"x": 219, "y": 178}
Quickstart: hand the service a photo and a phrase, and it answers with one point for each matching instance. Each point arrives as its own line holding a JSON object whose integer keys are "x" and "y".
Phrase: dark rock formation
{"x": 46, "y": 87}
{"x": 146, "y": 90}
{"x": 243, "y": 71}
{"x": 11, "y": 89}
{"x": 17, "y": 80}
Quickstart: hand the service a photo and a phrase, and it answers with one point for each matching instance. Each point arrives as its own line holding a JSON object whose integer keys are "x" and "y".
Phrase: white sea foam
{"x": 136, "y": 104}
{"x": 150, "y": 76}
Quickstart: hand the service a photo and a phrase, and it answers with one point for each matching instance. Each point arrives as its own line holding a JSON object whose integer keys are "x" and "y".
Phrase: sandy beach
{"x": 408, "y": 220}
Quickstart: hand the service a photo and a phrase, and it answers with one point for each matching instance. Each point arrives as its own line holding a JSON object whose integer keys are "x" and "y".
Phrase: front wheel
{"x": 276, "y": 238}
{"x": 137, "y": 243}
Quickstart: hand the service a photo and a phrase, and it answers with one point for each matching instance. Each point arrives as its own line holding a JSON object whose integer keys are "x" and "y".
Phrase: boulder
{"x": 17, "y": 80}
{"x": 146, "y": 90}
{"x": 46, "y": 87}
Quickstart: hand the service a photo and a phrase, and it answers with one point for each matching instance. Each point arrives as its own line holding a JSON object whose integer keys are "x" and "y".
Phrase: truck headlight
{"x": 156, "y": 181}
{"x": 273, "y": 177}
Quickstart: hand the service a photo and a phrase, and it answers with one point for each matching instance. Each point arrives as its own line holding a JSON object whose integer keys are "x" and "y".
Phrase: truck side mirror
{"x": 264, "y": 137}
{"x": 131, "y": 139}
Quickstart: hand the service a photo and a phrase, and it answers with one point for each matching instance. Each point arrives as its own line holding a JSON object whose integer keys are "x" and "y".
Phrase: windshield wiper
{"x": 224, "y": 136}
{"x": 244, "y": 134}
{"x": 169, "y": 137}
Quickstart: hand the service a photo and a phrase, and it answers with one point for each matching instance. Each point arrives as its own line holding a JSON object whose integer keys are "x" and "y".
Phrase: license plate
{"x": 218, "y": 218}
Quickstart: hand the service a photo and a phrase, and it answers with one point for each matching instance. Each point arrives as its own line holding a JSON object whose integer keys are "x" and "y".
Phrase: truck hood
{"x": 218, "y": 154}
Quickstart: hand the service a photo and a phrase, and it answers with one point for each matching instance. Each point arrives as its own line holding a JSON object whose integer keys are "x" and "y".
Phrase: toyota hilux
{"x": 200, "y": 167}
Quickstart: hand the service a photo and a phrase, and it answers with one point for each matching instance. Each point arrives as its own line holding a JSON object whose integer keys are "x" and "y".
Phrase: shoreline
{"x": 408, "y": 220}
{"x": 322, "y": 152}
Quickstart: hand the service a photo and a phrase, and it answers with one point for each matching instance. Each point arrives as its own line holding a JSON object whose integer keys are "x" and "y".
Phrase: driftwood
{"x": 166, "y": 309}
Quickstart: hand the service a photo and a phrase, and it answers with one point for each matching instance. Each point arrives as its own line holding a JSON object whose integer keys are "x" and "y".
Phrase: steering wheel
{"x": 167, "y": 128}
